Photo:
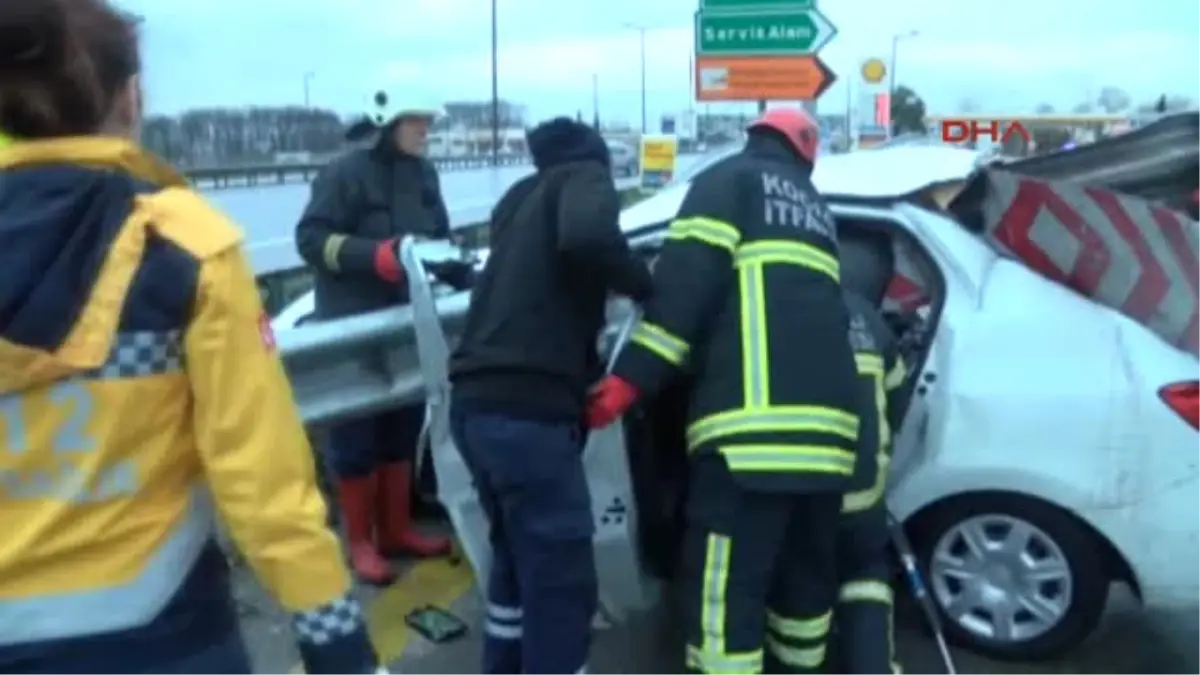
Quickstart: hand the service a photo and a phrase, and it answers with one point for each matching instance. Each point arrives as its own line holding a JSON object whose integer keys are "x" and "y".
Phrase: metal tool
{"x": 916, "y": 583}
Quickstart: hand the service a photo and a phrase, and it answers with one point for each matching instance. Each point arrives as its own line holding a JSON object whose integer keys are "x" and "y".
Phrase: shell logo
{"x": 873, "y": 71}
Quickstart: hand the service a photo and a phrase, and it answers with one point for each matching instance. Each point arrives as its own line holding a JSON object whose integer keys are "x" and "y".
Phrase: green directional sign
{"x": 754, "y": 5}
{"x": 765, "y": 33}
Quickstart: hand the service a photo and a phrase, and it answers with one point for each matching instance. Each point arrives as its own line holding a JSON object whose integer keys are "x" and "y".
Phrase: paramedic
{"x": 521, "y": 374}
{"x": 747, "y": 301}
{"x": 138, "y": 388}
{"x": 361, "y": 204}
{"x": 864, "y": 611}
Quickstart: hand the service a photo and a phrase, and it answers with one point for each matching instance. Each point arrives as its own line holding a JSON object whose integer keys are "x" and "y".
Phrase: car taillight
{"x": 1184, "y": 399}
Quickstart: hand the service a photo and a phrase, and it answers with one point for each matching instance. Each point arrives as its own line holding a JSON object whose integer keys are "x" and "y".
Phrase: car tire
{"x": 1053, "y": 533}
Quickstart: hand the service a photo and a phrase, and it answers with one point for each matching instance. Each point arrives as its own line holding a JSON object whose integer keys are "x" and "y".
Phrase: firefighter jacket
{"x": 359, "y": 200}
{"x": 138, "y": 389}
{"x": 747, "y": 298}
{"x": 880, "y": 372}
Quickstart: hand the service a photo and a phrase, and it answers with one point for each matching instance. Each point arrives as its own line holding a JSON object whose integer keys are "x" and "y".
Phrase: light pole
{"x": 495, "y": 89}
{"x": 892, "y": 71}
{"x": 642, "y": 42}
{"x": 307, "y": 85}
{"x": 892, "y": 66}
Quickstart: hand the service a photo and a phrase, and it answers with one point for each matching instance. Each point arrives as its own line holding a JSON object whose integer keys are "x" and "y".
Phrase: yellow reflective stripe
{"x": 780, "y": 251}
{"x": 809, "y": 458}
{"x": 773, "y": 419}
{"x": 712, "y": 595}
{"x": 865, "y": 590}
{"x": 332, "y": 251}
{"x": 659, "y": 340}
{"x": 710, "y": 656}
{"x": 814, "y": 628}
{"x": 869, "y": 364}
{"x": 124, "y": 603}
{"x": 707, "y": 230}
{"x": 895, "y": 376}
{"x": 874, "y": 590}
{"x": 855, "y": 502}
{"x": 733, "y": 663}
{"x": 782, "y": 628}
{"x": 756, "y": 377}
{"x": 796, "y": 657}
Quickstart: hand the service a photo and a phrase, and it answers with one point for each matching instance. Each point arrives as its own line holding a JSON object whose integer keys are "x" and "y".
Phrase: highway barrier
{"x": 274, "y": 174}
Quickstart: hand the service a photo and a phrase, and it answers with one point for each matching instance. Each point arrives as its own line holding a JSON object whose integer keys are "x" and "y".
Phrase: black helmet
{"x": 868, "y": 262}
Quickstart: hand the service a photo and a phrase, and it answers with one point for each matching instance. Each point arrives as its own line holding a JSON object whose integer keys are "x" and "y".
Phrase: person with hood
{"x": 520, "y": 376}
{"x": 139, "y": 388}
{"x": 747, "y": 301}
{"x": 361, "y": 205}
{"x": 864, "y": 611}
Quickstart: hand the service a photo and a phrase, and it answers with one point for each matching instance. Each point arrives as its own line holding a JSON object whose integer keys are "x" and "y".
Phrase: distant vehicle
{"x": 624, "y": 159}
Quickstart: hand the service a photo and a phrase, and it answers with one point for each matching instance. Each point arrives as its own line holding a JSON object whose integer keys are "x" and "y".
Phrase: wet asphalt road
{"x": 1131, "y": 641}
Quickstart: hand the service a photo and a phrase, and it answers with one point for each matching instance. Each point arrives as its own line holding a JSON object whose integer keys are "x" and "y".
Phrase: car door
{"x": 623, "y": 588}
{"x": 925, "y": 433}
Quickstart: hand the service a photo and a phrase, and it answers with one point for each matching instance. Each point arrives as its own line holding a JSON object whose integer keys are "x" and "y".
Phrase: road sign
{"x": 754, "y": 5}
{"x": 773, "y": 33}
{"x": 780, "y": 78}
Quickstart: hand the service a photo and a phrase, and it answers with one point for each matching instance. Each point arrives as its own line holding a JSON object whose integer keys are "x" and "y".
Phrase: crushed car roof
{"x": 869, "y": 174}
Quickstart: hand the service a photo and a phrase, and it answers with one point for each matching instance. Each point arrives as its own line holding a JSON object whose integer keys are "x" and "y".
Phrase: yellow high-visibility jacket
{"x": 139, "y": 386}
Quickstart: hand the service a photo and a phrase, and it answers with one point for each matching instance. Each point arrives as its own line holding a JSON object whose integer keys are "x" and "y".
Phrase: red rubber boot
{"x": 396, "y": 532}
{"x": 357, "y": 499}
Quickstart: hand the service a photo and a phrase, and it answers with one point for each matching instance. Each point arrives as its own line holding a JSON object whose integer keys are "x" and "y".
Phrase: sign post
{"x": 764, "y": 50}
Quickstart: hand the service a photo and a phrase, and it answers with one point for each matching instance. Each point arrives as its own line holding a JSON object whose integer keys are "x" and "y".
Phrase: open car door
{"x": 623, "y": 587}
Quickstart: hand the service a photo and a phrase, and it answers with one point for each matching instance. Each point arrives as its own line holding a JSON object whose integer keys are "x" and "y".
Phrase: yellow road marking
{"x": 438, "y": 582}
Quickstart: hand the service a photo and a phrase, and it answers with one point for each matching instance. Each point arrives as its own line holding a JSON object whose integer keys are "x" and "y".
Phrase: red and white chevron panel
{"x": 1123, "y": 252}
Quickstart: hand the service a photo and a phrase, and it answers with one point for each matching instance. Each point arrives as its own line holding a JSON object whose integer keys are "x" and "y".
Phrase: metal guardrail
{"x": 359, "y": 365}
{"x": 273, "y": 174}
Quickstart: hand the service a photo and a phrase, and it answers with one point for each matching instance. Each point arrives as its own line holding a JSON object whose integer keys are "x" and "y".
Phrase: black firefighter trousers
{"x": 760, "y": 575}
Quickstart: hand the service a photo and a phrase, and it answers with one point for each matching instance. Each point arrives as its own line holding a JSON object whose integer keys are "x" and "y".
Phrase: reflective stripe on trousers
{"x": 118, "y": 607}
{"x": 876, "y": 592}
{"x": 798, "y": 642}
{"x": 710, "y": 655}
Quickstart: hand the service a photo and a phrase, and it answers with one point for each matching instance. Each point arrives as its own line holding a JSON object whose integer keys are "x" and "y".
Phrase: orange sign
{"x": 778, "y": 78}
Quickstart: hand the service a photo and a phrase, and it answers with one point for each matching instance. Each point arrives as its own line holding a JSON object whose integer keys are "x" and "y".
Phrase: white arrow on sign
{"x": 825, "y": 30}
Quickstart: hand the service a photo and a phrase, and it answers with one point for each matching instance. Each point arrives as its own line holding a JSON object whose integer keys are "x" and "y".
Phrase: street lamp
{"x": 642, "y": 38}
{"x": 307, "y": 82}
{"x": 892, "y": 67}
{"x": 495, "y": 89}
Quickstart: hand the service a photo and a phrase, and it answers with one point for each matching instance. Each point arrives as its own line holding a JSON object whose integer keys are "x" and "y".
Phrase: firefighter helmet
{"x": 796, "y": 126}
{"x": 385, "y": 105}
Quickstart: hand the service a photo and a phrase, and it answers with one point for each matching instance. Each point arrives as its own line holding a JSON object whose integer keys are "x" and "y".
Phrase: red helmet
{"x": 796, "y": 126}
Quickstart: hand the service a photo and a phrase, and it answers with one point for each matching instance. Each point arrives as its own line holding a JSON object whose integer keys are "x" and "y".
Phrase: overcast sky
{"x": 1009, "y": 55}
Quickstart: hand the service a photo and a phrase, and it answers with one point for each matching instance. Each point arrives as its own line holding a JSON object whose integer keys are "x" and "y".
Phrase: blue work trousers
{"x": 358, "y": 447}
{"x": 542, "y": 591}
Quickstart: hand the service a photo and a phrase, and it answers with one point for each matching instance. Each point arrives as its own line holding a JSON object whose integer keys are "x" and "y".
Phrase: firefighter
{"x": 864, "y": 612}
{"x": 521, "y": 374}
{"x": 747, "y": 301}
{"x": 361, "y": 205}
{"x": 139, "y": 388}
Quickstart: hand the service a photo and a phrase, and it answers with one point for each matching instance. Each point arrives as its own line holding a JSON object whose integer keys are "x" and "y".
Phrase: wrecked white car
{"x": 1048, "y": 447}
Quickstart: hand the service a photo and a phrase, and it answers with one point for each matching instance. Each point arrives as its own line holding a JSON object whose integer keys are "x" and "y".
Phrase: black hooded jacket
{"x": 529, "y": 346}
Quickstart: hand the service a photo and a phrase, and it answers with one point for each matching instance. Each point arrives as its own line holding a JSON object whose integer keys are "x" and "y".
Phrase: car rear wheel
{"x": 1014, "y": 578}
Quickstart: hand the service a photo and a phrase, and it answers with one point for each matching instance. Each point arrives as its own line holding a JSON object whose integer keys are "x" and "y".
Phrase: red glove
{"x": 387, "y": 261}
{"x": 609, "y": 400}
